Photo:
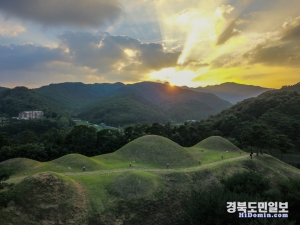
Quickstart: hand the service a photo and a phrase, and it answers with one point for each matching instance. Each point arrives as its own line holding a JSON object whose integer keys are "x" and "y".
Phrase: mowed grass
{"x": 67, "y": 163}
{"x": 149, "y": 151}
{"x": 158, "y": 151}
{"x": 214, "y": 149}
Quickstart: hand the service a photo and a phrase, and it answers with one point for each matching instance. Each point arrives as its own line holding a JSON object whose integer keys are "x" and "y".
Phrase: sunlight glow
{"x": 175, "y": 77}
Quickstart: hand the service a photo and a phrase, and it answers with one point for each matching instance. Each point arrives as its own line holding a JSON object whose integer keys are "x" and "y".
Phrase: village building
{"x": 26, "y": 115}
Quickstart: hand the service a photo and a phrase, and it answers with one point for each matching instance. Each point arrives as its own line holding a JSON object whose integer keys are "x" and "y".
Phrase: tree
{"x": 82, "y": 139}
{"x": 283, "y": 143}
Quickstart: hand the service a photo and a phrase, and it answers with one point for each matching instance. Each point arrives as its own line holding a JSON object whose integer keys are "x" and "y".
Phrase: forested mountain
{"x": 3, "y": 89}
{"x": 13, "y": 101}
{"x": 269, "y": 120}
{"x": 152, "y": 102}
{"x": 233, "y": 92}
{"x": 71, "y": 96}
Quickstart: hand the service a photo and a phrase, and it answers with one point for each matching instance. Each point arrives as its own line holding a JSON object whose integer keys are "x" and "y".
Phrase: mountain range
{"x": 120, "y": 104}
{"x": 233, "y": 92}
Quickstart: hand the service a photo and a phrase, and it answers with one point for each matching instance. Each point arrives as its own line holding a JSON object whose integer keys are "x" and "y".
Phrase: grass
{"x": 57, "y": 198}
{"x": 134, "y": 184}
{"x": 157, "y": 150}
{"x": 110, "y": 193}
{"x": 217, "y": 143}
{"x": 96, "y": 189}
{"x": 214, "y": 149}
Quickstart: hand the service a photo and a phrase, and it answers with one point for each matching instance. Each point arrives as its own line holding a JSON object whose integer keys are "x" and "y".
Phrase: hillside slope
{"x": 72, "y": 96}
{"x": 13, "y": 101}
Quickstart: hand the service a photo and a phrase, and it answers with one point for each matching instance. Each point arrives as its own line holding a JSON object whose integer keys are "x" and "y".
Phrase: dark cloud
{"x": 291, "y": 30}
{"x": 20, "y": 57}
{"x": 228, "y": 33}
{"x": 279, "y": 55}
{"x": 106, "y": 52}
{"x": 87, "y": 13}
{"x": 153, "y": 56}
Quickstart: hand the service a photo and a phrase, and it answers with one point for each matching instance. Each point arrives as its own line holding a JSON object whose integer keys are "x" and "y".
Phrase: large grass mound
{"x": 75, "y": 162}
{"x": 217, "y": 143}
{"x": 46, "y": 198}
{"x": 156, "y": 150}
{"x": 19, "y": 165}
{"x": 134, "y": 185}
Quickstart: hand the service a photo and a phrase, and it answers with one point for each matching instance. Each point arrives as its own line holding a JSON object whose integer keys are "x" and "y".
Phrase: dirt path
{"x": 17, "y": 179}
{"x": 156, "y": 170}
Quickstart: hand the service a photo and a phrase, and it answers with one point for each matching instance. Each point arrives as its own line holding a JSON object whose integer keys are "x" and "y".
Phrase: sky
{"x": 183, "y": 42}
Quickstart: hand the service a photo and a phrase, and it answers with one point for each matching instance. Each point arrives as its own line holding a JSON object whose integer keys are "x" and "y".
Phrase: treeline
{"x": 49, "y": 141}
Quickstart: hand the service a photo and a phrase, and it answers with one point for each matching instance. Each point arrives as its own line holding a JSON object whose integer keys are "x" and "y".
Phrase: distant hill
{"x": 13, "y": 101}
{"x": 233, "y": 92}
{"x": 3, "y": 88}
{"x": 70, "y": 97}
{"x": 149, "y": 101}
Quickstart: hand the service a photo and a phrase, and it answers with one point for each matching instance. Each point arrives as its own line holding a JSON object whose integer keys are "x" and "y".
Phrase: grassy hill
{"x": 60, "y": 200}
{"x": 217, "y": 143}
{"x": 111, "y": 192}
{"x": 158, "y": 151}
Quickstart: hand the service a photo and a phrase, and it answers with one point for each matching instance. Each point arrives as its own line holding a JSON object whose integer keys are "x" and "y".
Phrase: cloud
{"x": 107, "y": 53}
{"x": 192, "y": 63}
{"x": 22, "y": 57}
{"x": 226, "y": 61}
{"x": 291, "y": 30}
{"x": 276, "y": 55}
{"x": 224, "y": 11}
{"x": 88, "y": 13}
{"x": 228, "y": 33}
{"x": 10, "y": 29}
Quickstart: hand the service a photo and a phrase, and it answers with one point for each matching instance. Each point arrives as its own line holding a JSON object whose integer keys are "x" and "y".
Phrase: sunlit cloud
{"x": 10, "y": 28}
{"x": 191, "y": 43}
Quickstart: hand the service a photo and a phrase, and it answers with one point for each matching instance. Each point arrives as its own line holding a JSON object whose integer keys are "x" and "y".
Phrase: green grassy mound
{"x": 57, "y": 200}
{"x": 156, "y": 150}
{"x": 75, "y": 162}
{"x": 217, "y": 143}
{"x": 134, "y": 185}
{"x": 19, "y": 165}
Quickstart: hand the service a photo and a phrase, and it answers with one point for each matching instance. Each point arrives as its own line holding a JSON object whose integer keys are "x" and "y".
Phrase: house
{"x": 26, "y": 115}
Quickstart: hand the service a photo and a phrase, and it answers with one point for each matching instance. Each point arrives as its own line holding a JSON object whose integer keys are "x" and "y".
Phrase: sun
{"x": 175, "y": 77}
